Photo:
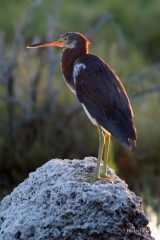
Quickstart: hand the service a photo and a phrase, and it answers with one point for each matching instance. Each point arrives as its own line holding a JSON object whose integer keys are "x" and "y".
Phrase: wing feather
{"x": 103, "y": 95}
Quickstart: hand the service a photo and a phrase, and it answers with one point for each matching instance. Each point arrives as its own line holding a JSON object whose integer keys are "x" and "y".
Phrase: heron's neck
{"x": 69, "y": 56}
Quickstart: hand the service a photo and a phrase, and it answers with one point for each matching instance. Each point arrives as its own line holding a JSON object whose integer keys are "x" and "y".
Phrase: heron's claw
{"x": 90, "y": 178}
{"x": 106, "y": 178}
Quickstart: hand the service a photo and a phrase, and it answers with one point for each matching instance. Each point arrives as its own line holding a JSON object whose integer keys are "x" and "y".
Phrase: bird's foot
{"x": 106, "y": 178}
{"x": 88, "y": 178}
{"x": 91, "y": 179}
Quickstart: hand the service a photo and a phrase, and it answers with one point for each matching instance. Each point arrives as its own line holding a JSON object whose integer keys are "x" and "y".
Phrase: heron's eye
{"x": 64, "y": 39}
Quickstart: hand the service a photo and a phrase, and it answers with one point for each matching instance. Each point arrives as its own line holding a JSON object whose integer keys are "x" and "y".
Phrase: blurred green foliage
{"x": 130, "y": 43}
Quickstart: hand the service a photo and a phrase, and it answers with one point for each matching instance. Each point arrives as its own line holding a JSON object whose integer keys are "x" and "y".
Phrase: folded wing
{"x": 101, "y": 92}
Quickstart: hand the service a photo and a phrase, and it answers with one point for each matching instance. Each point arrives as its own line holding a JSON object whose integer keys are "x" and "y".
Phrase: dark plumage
{"x": 100, "y": 91}
{"x": 105, "y": 98}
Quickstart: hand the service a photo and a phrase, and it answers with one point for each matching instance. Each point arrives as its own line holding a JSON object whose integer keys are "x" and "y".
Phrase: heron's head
{"x": 67, "y": 40}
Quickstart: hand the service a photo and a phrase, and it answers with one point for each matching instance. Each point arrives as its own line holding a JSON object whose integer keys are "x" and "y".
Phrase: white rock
{"x": 54, "y": 204}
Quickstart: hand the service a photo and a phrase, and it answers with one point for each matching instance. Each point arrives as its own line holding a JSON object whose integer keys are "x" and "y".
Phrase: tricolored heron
{"x": 100, "y": 92}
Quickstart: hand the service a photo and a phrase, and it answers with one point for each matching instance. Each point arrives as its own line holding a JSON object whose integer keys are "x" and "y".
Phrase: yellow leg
{"x": 102, "y": 139}
{"x": 106, "y": 152}
{"x": 100, "y": 151}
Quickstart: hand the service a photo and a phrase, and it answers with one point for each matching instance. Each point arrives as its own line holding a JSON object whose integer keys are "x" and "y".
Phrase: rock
{"x": 55, "y": 203}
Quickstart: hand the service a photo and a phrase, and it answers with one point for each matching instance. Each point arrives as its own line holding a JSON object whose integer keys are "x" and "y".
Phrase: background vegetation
{"x": 41, "y": 119}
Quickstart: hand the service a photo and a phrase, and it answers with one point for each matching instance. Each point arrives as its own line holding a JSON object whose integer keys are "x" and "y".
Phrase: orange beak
{"x": 59, "y": 43}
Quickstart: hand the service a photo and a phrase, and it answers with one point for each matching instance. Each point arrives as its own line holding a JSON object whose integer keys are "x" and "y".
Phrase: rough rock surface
{"x": 54, "y": 204}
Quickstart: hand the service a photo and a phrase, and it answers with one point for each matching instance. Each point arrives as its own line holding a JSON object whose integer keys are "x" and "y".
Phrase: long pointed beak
{"x": 58, "y": 43}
